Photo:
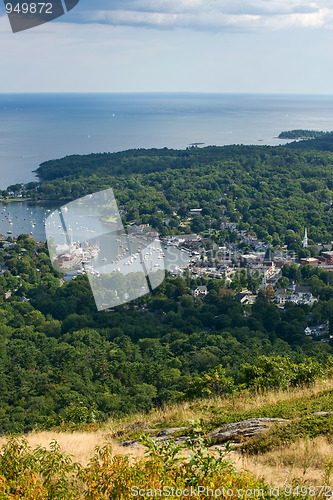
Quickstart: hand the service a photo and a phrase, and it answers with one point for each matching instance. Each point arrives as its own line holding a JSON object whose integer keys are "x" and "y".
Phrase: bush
{"x": 279, "y": 372}
{"x": 42, "y": 474}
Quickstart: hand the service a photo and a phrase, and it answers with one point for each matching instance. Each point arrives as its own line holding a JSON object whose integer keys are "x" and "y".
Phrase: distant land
{"x": 301, "y": 134}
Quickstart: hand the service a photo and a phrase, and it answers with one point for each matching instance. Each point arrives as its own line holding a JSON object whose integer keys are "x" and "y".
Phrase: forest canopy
{"x": 271, "y": 192}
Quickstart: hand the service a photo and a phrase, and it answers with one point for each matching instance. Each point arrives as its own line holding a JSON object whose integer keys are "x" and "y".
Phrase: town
{"x": 260, "y": 267}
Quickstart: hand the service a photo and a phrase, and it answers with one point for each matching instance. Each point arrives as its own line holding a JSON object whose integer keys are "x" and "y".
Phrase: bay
{"x": 38, "y": 127}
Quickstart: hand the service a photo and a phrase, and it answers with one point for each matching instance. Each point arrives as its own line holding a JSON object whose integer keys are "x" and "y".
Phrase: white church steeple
{"x": 305, "y": 239}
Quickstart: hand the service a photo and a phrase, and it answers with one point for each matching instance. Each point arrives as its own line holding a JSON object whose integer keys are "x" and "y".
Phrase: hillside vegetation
{"x": 58, "y": 353}
{"x": 295, "y": 456}
{"x": 274, "y": 192}
{"x": 213, "y": 368}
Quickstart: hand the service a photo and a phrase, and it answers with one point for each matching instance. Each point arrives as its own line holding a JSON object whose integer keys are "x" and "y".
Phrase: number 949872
{"x": 29, "y": 8}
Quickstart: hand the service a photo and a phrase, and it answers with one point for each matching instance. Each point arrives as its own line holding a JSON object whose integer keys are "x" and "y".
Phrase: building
{"x": 65, "y": 257}
{"x": 298, "y": 295}
{"x": 245, "y": 297}
{"x": 328, "y": 256}
{"x": 310, "y": 260}
{"x": 249, "y": 257}
{"x": 200, "y": 291}
{"x": 185, "y": 238}
{"x": 305, "y": 239}
{"x": 281, "y": 296}
{"x": 317, "y": 330}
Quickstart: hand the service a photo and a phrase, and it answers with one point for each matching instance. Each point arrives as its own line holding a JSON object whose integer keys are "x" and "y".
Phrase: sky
{"x": 248, "y": 46}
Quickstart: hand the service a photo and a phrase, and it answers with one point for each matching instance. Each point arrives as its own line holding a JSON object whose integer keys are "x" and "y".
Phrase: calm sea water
{"x": 38, "y": 127}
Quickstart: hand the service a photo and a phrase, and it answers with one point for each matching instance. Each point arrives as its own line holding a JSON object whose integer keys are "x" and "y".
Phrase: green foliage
{"x": 280, "y": 373}
{"x": 310, "y": 426}
{"x": 56, "y": 350}
{"x": 274, "y": 191}
{"x": 301, "y": 134}
{"x": 78, "y": 413}
{"x": 42, "y": 474}
{"x": 213, "y": 383}
{"x": 63, "y": 363}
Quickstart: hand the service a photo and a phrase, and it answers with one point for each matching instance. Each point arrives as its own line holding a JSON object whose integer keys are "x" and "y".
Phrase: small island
{"x": 301, "y": 134}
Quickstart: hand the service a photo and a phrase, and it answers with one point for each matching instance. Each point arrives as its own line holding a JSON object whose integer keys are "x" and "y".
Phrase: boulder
{"x": 131, "y": 442}
{"x": 170, "y": 431}
{"x": 247, "y": 428}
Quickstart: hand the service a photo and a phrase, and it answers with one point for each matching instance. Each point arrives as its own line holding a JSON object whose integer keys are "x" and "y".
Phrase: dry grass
{"x": 302, "y": 459}
{"x": 179, "y": 414}
{"x": 79, "y": 444}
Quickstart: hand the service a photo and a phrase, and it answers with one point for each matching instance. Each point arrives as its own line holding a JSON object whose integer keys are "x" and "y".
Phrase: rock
{"x": 170, "y": 431}
{"x": 247, "y": 428}
{"x": 132, "y": 442}
{"x": 235, "y": 432}
{"x": 182, "y": 439}
{"x": 167, "y": 434}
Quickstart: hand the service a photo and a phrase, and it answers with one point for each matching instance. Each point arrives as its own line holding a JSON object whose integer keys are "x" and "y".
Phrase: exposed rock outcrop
{"x": 247, "y": 428}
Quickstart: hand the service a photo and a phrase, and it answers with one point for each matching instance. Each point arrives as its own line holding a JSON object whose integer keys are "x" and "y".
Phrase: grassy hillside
{"x": 294, "y": 456}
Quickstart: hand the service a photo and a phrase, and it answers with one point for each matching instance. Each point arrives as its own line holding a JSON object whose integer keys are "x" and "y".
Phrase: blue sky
{"x": 272, "y": 46}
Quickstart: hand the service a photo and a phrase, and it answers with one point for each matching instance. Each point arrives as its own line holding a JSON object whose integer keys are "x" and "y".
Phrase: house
{"x": 281, "y": 261}
{"x": 186, "y": 238}
{"x": 65, "y": 257}
{"x": 200, "y": 291}
{"x": 299, "y": 295}
{"x": 229, "y": 225}
{"x": 301, "y": 291}
{"x": 281, "y": 296}
{"x": 310, "y": 260}
{"x": 245, "y": 297}
{"x": 328, "y": 256}
{"x": 317, "y": 330}
{"x": 269, "y": 265}
{"x": 195, "y": 211}
{"x": 249, "y": 257}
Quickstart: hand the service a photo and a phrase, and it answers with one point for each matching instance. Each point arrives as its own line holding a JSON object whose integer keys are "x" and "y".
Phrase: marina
{"x": 30, "y": 218}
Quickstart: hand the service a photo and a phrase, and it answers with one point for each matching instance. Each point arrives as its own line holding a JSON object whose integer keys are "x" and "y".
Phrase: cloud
{"x": 210, "y": 14}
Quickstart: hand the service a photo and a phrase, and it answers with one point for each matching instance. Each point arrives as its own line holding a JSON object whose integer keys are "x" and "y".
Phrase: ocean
{"x": 38, "y": 127}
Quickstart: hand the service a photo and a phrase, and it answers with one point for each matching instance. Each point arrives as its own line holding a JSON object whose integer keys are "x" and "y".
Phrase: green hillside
{"x": 183, "y": 452}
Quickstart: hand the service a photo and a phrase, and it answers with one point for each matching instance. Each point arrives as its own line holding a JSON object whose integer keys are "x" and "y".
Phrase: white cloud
{"x": 215, "y": 14}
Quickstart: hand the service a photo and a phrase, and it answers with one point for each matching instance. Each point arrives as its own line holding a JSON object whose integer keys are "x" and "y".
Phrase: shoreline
{"x": 36, "y": 202}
